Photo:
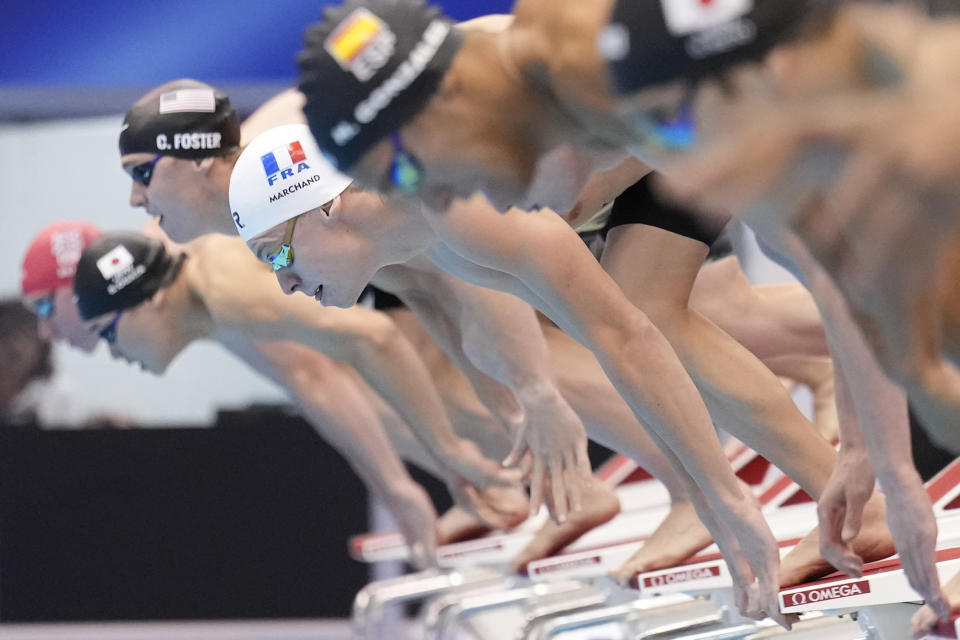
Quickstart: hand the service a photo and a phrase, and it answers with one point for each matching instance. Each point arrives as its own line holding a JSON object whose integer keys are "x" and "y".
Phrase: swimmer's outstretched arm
{"x": 339, "y": 412}
{"x": 877, "y": 436}
{"x": 542, "y": 252}
{"x": 371, "y": 343}
{"x": 501, "y": 336}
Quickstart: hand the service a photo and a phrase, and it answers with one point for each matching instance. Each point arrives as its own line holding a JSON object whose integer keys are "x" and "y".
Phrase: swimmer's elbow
{"x": 632, "y": 337}
{"x": 380, "y": 338}
{"x": 308, "y": 378}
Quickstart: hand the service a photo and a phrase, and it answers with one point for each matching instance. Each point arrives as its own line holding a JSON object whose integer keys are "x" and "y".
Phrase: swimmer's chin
{"x": 340, "y": 302}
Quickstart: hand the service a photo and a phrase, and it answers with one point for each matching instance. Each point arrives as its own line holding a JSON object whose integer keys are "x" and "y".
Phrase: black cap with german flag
{"x": 368, "y": 68}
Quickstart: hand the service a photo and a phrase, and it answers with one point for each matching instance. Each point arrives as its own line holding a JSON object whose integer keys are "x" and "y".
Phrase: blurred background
{"x": 232, "y": 522}
{"x": 171, "y": 523}
{"x": 68, "y": 72}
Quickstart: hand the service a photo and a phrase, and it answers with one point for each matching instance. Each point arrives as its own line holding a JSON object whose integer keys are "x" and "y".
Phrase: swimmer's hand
{"x": 413, "y": 510}
{"x": 840, "y": 509}
{"x": 749, "y": 548}
{"x": 914, "y": 528}
{"x": 555, "y": 436}
{"x": 750, "y": 551}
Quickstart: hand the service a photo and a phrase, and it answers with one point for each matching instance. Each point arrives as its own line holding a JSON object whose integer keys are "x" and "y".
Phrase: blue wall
{"x": 137, "y": 43}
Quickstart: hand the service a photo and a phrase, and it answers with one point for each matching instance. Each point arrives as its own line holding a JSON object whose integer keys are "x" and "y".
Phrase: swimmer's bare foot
{"x": 496, "y": 507}
{"x": 925, "y": 619}
{"x": 679, "y": 536}
{"x": 600, "y": 505}
{"x": 456, "y": 525}
{"x": 874, "y": 542}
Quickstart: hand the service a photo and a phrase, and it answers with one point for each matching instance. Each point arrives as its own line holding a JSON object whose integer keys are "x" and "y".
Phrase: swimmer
{"x": 48, "y": 270}
{"x": 47, "y": 282}
{"x": 408, "y": 148}
{"x": 519, "y": 88}
{"x": 654, "y": 251}
{"x": 188, "y": 195}
{"x": 331, "y": 399}
{"x": 178, "y": 144}
{"x": 395, "y": 240}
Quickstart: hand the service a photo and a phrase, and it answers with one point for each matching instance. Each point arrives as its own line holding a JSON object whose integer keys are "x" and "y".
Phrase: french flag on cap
{"x": 282, "y": 158}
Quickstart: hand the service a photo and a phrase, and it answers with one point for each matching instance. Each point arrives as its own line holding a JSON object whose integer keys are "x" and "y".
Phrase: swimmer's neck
{"x": 185, "y": 297}
{"x": 215, "y": 205}
{"x": 400, "y": 230}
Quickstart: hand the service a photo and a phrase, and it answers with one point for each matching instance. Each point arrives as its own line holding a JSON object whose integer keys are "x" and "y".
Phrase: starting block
{"x": 883, "y": 582}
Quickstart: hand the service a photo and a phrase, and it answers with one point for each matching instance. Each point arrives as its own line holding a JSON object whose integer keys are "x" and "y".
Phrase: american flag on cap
{"x": 188, "y": 100}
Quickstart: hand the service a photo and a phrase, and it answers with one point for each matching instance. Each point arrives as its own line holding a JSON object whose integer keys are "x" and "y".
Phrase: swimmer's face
{"x": 142, "y": 336}
{"x": 458, "y": 159}
{"x": 332, "y": 263}
{"x": 64, "y": 322}
{"x": 181, "y": 195}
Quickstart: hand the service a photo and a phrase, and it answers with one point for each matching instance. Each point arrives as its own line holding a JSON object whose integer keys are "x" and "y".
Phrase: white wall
{"x": 52, "y": 171}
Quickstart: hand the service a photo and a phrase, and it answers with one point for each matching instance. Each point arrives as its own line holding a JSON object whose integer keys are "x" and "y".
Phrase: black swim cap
{"x": 368, "y": 68}
{"x": 183, "y": 118}
{"x": 118, "y": 271}
{"x": 654, "y": 42}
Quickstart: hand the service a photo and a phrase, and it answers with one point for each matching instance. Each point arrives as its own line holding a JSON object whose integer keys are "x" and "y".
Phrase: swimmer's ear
{"x": 204, "y": 164}
{"x": 330, "y": 214}
{"x": 450, "y": 85}
{"x": 158, "y": 300}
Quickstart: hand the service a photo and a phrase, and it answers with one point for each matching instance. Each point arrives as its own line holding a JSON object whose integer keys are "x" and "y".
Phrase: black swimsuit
{"x": 639, "y": 205}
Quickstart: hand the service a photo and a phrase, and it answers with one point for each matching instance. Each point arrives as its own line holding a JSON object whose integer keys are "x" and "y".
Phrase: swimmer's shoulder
{"x": 492, "y": 23}
{"x": 225, "y": 273}
{"x": 284, "y": 108}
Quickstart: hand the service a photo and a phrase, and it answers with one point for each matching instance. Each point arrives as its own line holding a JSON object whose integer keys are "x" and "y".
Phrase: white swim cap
{"x": 280, "y": 175}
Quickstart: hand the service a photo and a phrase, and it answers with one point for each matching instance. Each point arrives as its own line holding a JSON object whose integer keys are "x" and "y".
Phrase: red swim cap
{"x": 52, "y": 257}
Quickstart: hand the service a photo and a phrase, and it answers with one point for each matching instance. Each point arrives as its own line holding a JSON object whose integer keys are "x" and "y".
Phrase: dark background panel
{"x": 240, "y": 521}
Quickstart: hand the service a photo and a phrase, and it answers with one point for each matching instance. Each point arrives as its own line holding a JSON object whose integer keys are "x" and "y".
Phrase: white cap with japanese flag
{"x": 280, "y": 175}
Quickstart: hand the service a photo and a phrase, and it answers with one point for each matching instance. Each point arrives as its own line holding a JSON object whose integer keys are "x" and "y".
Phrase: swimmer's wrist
{"x": 896, "y": 474}
{"x": 899, "y": 469}
{"x": 452, "y": 451}
{"x": 400, "y": 490}
{"x": 735, "y": 504}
